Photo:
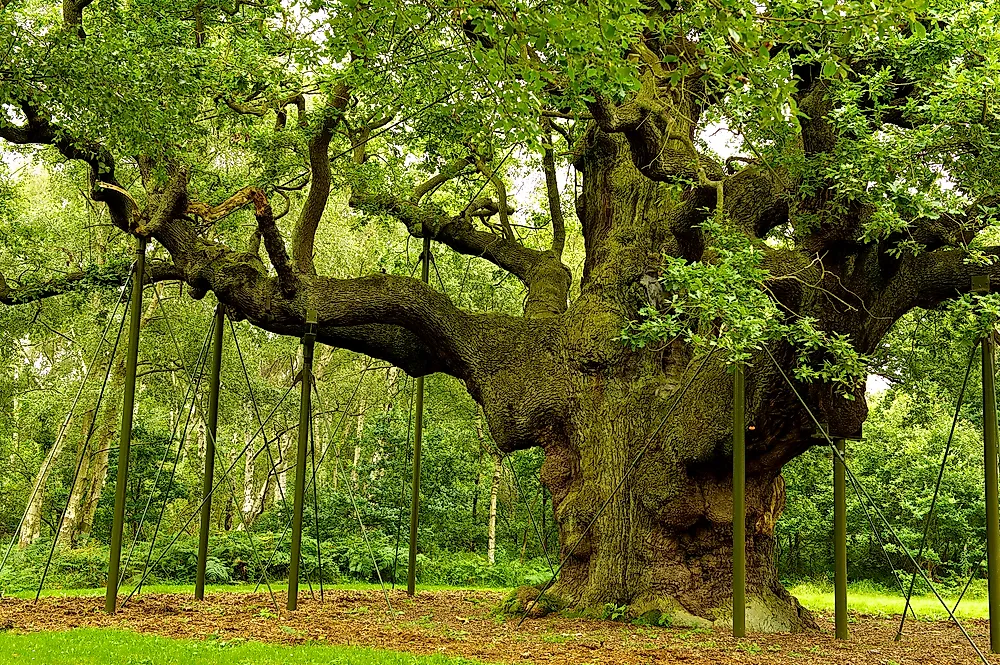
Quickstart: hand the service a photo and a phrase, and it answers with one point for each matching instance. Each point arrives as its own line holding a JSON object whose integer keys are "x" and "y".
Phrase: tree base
{"x": 768, "y": 612}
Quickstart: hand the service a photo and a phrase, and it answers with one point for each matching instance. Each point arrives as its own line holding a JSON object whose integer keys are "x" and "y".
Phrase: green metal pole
{"x": 840, "y": 542}
{"x": 981, "y": 284}
{"x": 308, "y": 340}
{"x": 739, "y": 503}
{"x": 212, "y": 427}
{"x": 418, "y": 430}
{"x": 125, "y": 436}
{"x": 992, "y": 507}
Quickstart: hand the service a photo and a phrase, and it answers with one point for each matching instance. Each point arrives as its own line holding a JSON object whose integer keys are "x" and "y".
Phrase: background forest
{"x": 485, "y": 519}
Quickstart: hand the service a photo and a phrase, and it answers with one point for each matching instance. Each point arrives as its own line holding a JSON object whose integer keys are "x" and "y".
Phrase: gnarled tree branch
{"x": 501, "y": 189}
{"x": 304, "y": 237}
{"x": 930, "y": 278}
{"x": 38, "y": 129}
{"x": 660, "y": 132}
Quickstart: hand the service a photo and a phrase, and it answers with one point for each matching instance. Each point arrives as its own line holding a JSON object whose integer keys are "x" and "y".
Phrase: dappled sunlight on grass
{"x": 89, "y": 646}
{"x": 867, "y": 599}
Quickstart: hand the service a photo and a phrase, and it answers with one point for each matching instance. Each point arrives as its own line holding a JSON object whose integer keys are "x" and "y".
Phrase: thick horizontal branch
{"x": 213, "y": 214}
{"x": 456, "y": 232}
{"x": 450, "y": 171}
{"x": 395, "y": 318}
{"x": 955, "y": 231}
{"x": 394, "y": 344}
{"x": 934, "y": 277}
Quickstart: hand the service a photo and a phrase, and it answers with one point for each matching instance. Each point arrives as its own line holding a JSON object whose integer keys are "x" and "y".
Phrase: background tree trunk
{"x": 285, "y": 443}
{"x": 491, "y": 529}
{"x": 31, "y": 530}
{"x": 253, "y": 498}
{"x": 359, "y": 430}
{"x": 84, "y": 480}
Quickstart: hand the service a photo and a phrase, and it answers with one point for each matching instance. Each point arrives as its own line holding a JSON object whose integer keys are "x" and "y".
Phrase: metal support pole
{"x": 418, "y": 430}
{"x": 308, "y": 340}
{"x": 982, "y": 285}
{"x": 840, "y": 542}
{"x": 212, "y": 428}
{"x": 125, "y": 436}
{"x": 739, "y": 503}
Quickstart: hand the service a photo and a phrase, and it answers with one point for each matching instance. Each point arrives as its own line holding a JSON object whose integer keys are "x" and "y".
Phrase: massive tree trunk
{"x": 659, "y": 537}
{"x": 663, "y": 541}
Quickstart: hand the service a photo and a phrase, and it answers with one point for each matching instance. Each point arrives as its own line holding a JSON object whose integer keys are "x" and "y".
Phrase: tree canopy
{"x": 427, "y": 113}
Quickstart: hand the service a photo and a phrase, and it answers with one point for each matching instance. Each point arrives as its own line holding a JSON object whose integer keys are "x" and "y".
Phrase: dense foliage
{"x": 924, "y": 364}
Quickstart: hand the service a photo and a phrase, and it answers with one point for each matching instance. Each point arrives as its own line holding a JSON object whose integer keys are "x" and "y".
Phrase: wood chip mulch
{"x": 464, "y": 623}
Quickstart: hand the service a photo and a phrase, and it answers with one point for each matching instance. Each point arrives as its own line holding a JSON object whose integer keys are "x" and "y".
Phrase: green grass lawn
{"x": 866, "y": 600}
{"x": 88, "y": 646}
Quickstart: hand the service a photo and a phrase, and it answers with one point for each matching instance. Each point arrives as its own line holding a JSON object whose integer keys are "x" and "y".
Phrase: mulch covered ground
{"x": 463, "y": 623}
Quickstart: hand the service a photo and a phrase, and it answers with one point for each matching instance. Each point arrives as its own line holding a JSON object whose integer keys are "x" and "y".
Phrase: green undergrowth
{"x": 89, "y": 646}
{"x": 232, "y": 561}
{"x": 872, "y": 599}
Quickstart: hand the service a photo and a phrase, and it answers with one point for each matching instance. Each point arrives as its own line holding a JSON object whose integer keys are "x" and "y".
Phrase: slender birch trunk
{"x": 491, "y": 546}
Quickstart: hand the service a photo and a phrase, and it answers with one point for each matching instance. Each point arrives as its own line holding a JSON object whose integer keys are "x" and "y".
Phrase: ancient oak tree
{"x": 858, "y": 182}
